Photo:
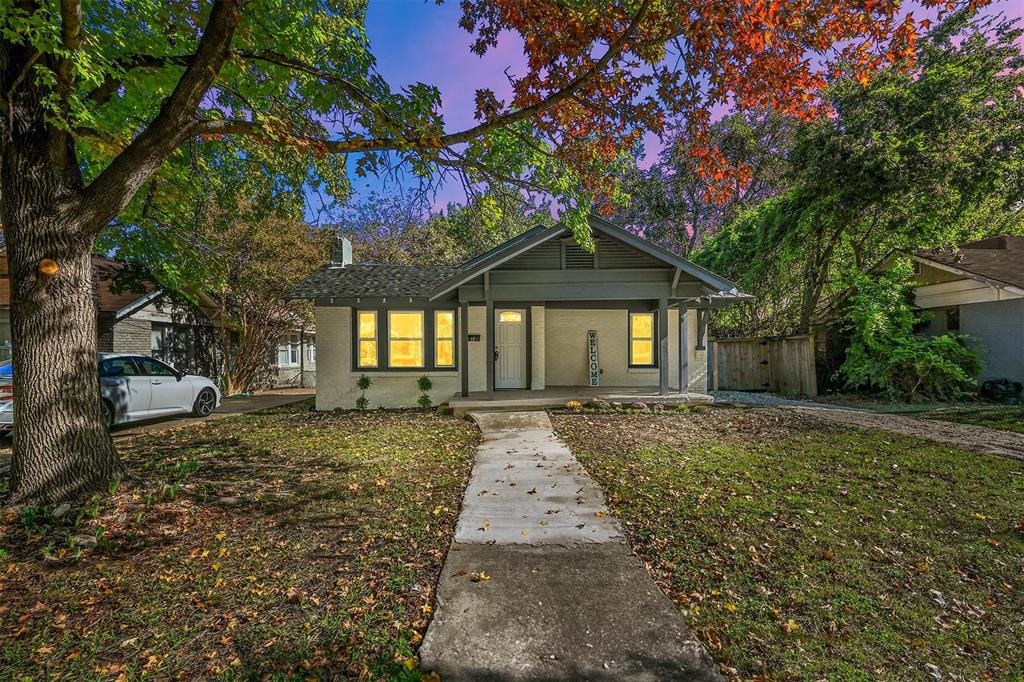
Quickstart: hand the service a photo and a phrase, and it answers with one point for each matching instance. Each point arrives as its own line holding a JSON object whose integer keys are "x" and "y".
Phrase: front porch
{"x": 557, "y": 396}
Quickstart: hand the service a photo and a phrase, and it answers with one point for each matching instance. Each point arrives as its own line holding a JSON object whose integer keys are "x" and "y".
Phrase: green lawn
{"x": 290, "y": 544}
{"x": 802, "y": 550}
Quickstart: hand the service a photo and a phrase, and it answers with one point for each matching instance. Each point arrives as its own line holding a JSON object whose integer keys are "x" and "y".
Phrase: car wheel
{"x": 108, "y": 413}
{"x": 205, "y": 402}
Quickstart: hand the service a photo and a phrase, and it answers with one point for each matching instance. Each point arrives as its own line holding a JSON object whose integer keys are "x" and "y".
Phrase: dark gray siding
{"x": 997, "y": 330}
{"x": 611, "y": 254}
{"x": 546, "y": 256}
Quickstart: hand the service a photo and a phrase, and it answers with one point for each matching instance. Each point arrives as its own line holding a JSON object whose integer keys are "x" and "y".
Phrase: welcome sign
{"x": 592, "y": 364}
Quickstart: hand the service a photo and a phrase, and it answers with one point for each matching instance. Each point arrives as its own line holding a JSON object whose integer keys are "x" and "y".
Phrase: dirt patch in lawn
{"x": 805, "y": 549}
{"x": 287, "y": 544}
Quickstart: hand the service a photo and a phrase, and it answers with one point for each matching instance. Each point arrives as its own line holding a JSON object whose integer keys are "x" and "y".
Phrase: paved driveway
{"x": 228, "y": 407}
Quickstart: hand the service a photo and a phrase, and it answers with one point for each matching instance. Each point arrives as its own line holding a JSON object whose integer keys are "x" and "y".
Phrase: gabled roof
{"x": 537, "y": 236}
{"x": 998, "y": 260}
{"x": 371, "y": 280}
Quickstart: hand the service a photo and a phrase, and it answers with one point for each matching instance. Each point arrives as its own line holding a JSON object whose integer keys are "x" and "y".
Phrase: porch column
{"x": 663, "y": 346}
{"x": 537, "y": 380}
{"x": 684, "y": 352}
{"x": 489, "y": 348}
{"x": 464, "y": 347}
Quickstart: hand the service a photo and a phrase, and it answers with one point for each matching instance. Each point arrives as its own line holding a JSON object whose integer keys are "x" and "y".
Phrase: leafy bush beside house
{"x": 885, "y": 354}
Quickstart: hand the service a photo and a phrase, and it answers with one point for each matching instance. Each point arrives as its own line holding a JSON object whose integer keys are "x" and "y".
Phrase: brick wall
{"x": 131, "y": 336}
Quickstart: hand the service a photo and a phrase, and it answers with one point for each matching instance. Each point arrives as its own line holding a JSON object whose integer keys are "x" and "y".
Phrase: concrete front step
{"x": 515, "y": 401}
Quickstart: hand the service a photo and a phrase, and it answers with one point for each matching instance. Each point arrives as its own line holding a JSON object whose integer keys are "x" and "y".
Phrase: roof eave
{"x": 999, "y": 284}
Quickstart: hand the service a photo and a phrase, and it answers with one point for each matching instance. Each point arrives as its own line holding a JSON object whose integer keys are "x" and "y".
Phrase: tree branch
{"x": 71, "y": 38}
{"x": 109, "y": 193}
{"x": 366, "y": 144}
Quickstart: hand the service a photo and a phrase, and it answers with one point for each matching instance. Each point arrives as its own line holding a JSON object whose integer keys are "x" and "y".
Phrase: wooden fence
{"x": 782, "y": 365}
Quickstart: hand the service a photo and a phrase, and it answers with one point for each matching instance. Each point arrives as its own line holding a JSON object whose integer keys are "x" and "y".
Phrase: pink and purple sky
{"x": 419, "y": 41}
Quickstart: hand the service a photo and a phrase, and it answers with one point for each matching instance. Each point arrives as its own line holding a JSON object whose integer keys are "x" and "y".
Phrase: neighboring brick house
{"x": 143, "y": 321}
{"x": 536, "y": 314}
{"x": 117, "y": 330}
{"x": 977, "y": 290}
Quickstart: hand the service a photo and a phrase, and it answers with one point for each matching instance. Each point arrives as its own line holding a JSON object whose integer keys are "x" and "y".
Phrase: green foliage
{"x": 929, "y": 157}
{"x": 885, "y": 353}
{"x": 424, "y": 384}
{"x": 363, "y": 383}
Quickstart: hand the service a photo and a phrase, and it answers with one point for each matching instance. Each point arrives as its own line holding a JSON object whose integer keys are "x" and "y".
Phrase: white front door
{"x": 509, "y": 348}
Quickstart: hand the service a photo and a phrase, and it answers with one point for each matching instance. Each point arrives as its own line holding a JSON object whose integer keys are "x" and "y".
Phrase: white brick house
{"x": 516, "y": 319}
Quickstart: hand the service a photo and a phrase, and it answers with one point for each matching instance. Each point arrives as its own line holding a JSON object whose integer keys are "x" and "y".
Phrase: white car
{"x": 135, "y": 387}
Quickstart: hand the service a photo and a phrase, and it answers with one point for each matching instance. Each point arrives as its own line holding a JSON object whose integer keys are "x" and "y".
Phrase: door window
{"x": 155, "y": 368}
{"x": 118, "y": 367}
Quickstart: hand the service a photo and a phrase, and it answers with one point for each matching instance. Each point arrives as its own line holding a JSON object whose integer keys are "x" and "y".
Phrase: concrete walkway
{"x": 540, "y": 584}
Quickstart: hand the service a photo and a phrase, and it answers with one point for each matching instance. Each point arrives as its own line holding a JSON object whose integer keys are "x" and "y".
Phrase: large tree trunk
{"x": 61, "y": 446}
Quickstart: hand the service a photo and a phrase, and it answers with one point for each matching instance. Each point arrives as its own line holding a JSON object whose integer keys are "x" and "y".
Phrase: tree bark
{"x": 62, "y": 448}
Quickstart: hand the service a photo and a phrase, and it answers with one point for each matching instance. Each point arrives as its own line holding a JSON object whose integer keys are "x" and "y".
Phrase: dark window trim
{"x": 382, "y": 338}
{"x": 654, "y": 339}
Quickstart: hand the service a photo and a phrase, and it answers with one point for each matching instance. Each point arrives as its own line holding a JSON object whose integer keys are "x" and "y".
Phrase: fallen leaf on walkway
{"x": 599, "y": 513}
{"x": 479, "y": 577}
{"x": 532, "y": 492}
{"x": 484, "y": 527}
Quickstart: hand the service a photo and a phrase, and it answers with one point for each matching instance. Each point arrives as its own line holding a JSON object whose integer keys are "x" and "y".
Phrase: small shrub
{"x": 598, "y": 404}
{"x": 424, "y": 384}
{"x": 574, "y": 405}
{"x": 639, "y": 405}
{"x": 363, "y": 383}
{"x": 658, "y": 407}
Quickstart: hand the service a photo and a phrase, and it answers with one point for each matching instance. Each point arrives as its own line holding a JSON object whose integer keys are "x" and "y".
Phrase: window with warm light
{"x": 641, "y": 339}
{"x": 367, "y": 338}
{"x": 444, "y": 338}
{"x": 405, "y": 338}
{"x": 510, "y": 316}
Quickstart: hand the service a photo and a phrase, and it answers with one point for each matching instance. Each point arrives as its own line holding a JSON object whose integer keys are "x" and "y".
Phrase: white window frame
{"x": 289, "y": 348}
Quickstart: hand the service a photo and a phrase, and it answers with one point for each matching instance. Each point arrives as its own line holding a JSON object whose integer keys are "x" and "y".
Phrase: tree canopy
{"x": 923, "y": 157}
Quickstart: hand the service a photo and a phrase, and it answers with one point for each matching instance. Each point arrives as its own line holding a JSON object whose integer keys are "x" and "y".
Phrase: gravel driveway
{"x": 966, "y": 436}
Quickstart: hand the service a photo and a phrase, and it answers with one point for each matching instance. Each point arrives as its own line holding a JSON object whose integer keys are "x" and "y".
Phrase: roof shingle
{"x": 1000, "y": 259}
{"x": 371, "y": 280}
